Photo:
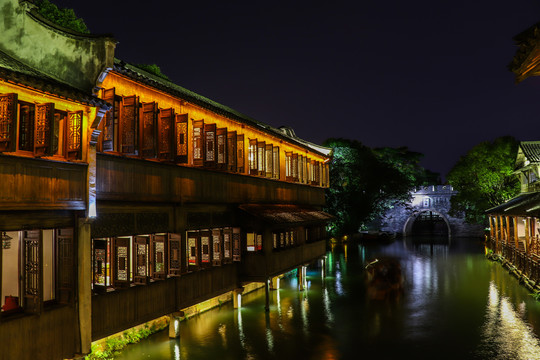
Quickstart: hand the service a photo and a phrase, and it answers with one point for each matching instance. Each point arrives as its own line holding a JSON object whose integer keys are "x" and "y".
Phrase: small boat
{"x": 384, "y": 279}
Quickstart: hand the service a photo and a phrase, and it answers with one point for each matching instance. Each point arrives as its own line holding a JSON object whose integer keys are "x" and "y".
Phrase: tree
{"x": 62, "y": 17}
{"x": 408, "y": 163}
{"x": 152, "y": 69}
{"x": 483, "y": 178}
{"x": 362, "y": 187}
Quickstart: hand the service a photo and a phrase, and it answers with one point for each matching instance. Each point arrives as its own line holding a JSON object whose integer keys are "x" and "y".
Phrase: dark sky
{"x": 430, "y": 75}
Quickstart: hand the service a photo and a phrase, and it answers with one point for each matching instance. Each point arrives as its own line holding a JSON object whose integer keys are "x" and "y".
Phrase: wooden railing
{"x": 128, "y": 179}
{"x": 36, "y": 184}
{"x": 528, "y": 264}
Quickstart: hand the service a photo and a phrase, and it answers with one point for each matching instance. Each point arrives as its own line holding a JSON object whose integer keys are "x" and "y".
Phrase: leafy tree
{"x": 483, "y": 178}
{"x": 408, "y": 163}
{"x": 62, "y": 17}
{"x": 362, "y": 187}
{"x": 152, "y": 69}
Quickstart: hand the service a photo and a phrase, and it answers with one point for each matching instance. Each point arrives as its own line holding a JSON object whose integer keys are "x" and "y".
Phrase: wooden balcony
{"x": 130, "y": 179}
{"x": 37, "y": 184}
{"x": 260, "y": 266}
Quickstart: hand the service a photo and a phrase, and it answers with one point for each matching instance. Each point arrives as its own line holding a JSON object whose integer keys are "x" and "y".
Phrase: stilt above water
{"x": 237, "y": 297}
{"x": 174, "y": 324}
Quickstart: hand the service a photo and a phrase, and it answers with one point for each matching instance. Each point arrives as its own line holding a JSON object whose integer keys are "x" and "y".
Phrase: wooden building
{"x": 125, "y": 197}
{"x": 515, "y": 225}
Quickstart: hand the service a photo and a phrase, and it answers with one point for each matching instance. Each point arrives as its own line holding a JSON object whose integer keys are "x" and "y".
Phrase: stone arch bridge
{"x": 427, "y": 214}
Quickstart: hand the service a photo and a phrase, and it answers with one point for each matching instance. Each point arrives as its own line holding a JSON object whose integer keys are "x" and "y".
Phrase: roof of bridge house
{"x": 527, "y": 204}
{"x": 16, "y": 72}
{"x": 531, "y": 150}
{"x": 162, "y": 84}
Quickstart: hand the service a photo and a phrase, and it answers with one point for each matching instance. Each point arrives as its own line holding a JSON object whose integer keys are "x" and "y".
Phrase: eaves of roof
{"x": 14, "y": 71}
{"x": 531, "y": 150}
{"x": 169, "y": 87}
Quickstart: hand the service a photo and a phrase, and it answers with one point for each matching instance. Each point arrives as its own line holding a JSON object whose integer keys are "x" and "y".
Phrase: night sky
{"x": 430, "y": 75}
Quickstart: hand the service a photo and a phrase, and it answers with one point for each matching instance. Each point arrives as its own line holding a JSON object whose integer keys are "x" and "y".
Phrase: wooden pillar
{"x": 267, "y": 294}
{"x": 496, "y": 232}
{"x": 516, "y": 236}
{"x": 274, "y": 283}
{"x": 323, "y": 266}
{"x": 491, "y": 228}
{"x": 237, "y": 297}
{"x": 508, "y": 237}
{"x": 301, "y": 273}
{"x": 174, "y": 324}
{"x": 527, "y": 233}
{"x": 84, "y": 280}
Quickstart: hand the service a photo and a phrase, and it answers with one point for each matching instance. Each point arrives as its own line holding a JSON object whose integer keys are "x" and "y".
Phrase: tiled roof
{"x": 15, "y": 71}
{"x": 531, "y": 150}
{"x": 143, "y": 76}
{"x": 523, "y": 204}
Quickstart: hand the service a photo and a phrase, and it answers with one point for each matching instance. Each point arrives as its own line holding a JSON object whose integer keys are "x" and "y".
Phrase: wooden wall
{"x": 128, "y": 179}
{"x": 118, "y": 310}
{"x": 51, "y": 335}
{"x": 259, "y": 266}
{"x": 41, "y": 184}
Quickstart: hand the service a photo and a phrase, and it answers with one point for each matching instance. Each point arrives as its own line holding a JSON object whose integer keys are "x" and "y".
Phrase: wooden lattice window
{"x": 100, "y": 263}
{"x": 32, "y": 272}
{"x": 231, "y": 151}
{"x": 181, "y": 138}
{"x": 140, "y": 260}
{"x": 166, "y": 145}
{"x": 121, "y": 262}
{"x": 261, "y": 158}
{"x": 294, "y": 167}
{"x": 275, "y": 156}
{"x": 221, "y": 148}
{"x": 217, "y": 253}
{"x": 128, "y": 121}
{"x": 301, "y": 168}
{"x": 253, "y": 167}
{"x": 240, "y": 158}
{"x": 27, "y": 116}
{"x": 107, "y": 123}
{"x": 269, "y": 163}
{"x": 193, "y": 249}
{"x": 8, "y": 121}
{"x": 158, "y": 255}
{"x": 210, "y": 145}
{"x": 65, "y": 273}
{"x": 227, "y": 245}
{"x": 198, "y": 142}
{"x": 147, "y": 130}
{"x": 237, "y": 249}
{"x": 288, "y": 166}
{"x": 206, "y": 248}
{"x": 175, "y": 261}
{"x": 74, "y": 135}
{"x": 44, "y": 129}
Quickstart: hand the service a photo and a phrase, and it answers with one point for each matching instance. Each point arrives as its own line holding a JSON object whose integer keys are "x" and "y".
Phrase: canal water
{"x": 455, "y": 304}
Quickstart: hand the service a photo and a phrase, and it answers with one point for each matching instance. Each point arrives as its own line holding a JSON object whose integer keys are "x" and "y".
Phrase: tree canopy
{"x": 153, "y": 69}
{"x": 364, "y": 183}
{"x": 483, "y": 178}
{"x": 62, "y": 17}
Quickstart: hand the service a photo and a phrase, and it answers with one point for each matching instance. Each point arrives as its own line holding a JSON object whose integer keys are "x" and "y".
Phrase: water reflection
{"x": 455, "y": 305}
{"x": 506, "y": 329}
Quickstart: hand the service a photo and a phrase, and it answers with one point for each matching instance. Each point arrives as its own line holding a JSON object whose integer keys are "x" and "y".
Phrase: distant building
{"x": 428, "y": 214}
{"x": 125, "y": 197}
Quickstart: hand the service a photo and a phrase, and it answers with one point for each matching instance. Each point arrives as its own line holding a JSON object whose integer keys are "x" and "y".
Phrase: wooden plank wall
{"x": 129, "y": 179}
{"x": 51, "y": 335}
{"x": 121, "y": 309}
{"x": 29, "y": 183}
{"x": 256, "y": 266}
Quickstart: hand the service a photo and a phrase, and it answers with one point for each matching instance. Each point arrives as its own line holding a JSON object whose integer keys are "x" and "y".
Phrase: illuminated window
{"x": 261, "y": 158}
{"x": 181, "y": 138}
{"x": 275, "y": 162}
{"x": 252, "y": 159}
{"x": 8, "y": 121}
{"x": 198, "y": 142}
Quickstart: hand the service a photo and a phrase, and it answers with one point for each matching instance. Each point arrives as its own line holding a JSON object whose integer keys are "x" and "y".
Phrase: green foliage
{"x": 483, "y": 178}
{"x": 62, "y": 17}
{"x": 362, "y": 185}
{"x": 407, "y": 162}
{"x": 152, "y": 69}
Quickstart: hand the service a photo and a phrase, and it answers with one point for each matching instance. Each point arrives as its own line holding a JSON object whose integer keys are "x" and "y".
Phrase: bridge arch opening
{"x": 428, "y": 222}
